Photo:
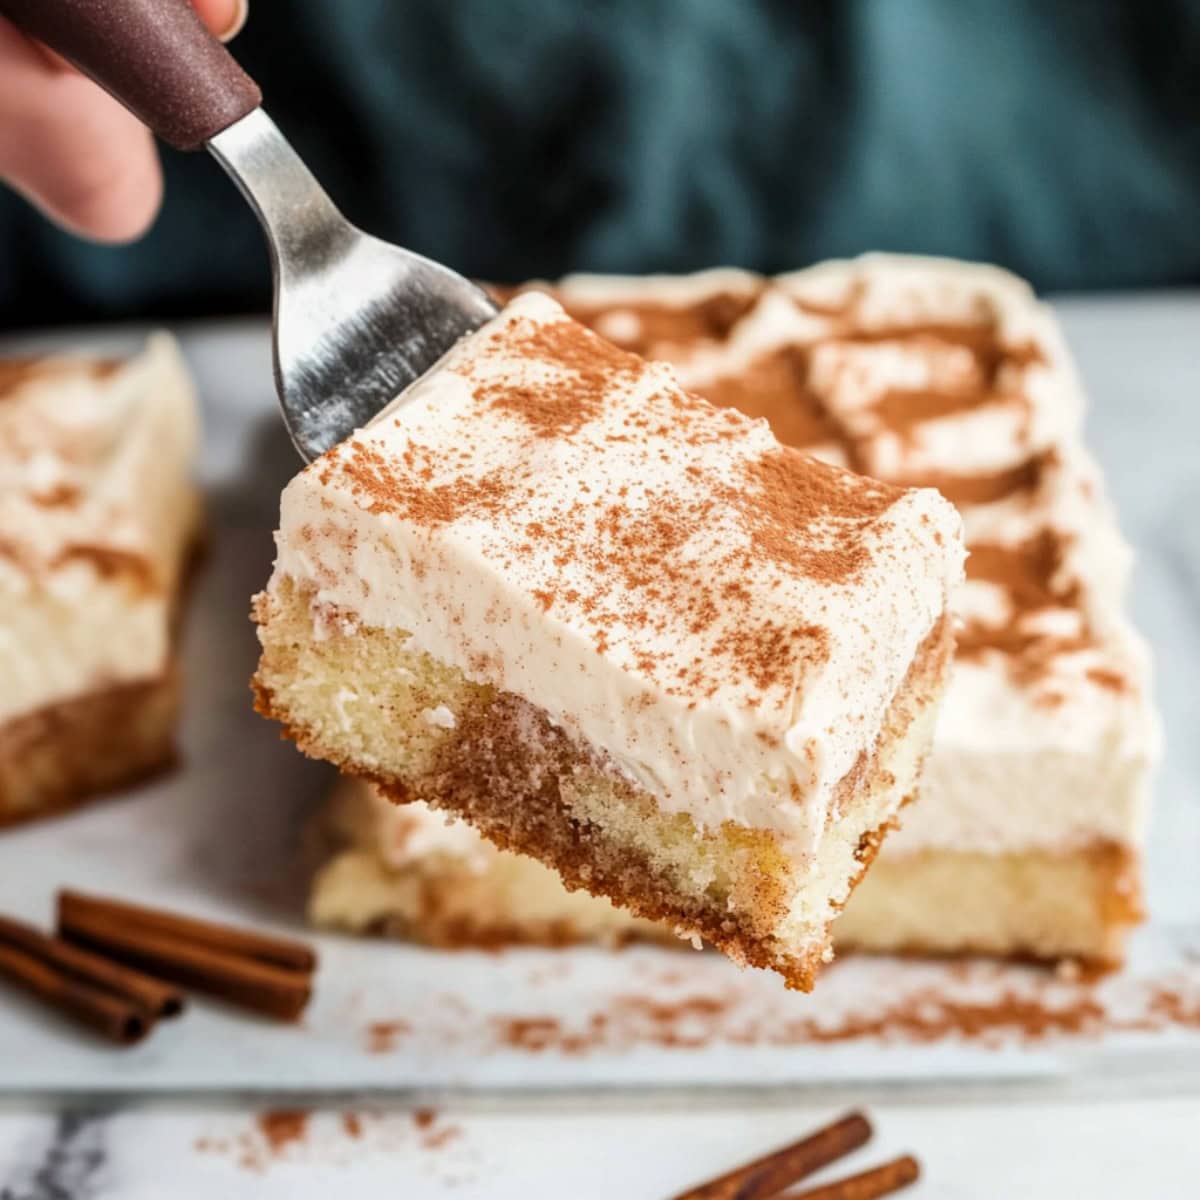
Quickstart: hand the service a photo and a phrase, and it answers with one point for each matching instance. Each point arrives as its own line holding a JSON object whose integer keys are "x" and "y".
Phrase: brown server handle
{"x": 155, "y": 56}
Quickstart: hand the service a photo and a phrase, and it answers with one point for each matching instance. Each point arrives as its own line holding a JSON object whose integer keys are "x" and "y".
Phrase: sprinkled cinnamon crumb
{"x": 383, "y": 1036}
{"x": 283, "y": 1126}
{"x": 589, "y": 368}
{"x": 1114, "y": 681}
{"x": 811, "y": 516}
{"x": 410, "y": 494}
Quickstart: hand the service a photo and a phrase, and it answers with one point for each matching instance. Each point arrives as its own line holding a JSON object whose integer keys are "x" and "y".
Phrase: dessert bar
{"x": 619, "y": 629}
{"x": 97, "y": 517}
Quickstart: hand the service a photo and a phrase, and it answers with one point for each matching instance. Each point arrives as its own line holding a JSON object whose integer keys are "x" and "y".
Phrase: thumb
{"x": 71, "y": 149}
{"x": 74, "y": 151}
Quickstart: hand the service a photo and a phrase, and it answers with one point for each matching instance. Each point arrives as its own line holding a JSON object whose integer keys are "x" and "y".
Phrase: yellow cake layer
{"x": 1037, "y": 904}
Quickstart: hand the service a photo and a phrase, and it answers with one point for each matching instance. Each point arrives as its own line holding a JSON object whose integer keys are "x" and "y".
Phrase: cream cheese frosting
{"x": 725, "y": 619}
{"x": 96, "y": 510}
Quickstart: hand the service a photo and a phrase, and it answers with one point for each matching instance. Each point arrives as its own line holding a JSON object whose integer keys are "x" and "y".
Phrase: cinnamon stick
{"x": 881, "y": 1181}
{"x": 228, "y": 939}
{"x": 770, "y": 1174}
{"x": 155, "y": 998}
{"x": 261, "y": 987}
{"x": 118, "y": 1018}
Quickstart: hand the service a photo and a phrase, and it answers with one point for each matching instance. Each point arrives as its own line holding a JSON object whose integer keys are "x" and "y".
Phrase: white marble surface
{"x": 1146, "y": 1150}
{"x": 1141, "y": 360}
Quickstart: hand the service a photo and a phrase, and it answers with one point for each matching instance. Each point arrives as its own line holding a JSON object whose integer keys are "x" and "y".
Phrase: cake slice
{"x": 409, "y": 871}
{"x": 97, "y": 516}
{"x": 618, "y": 629}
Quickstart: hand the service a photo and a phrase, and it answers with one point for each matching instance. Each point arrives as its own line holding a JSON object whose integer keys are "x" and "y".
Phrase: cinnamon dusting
{"x": 904, "y": 410}
{"x": 985, "y": 487}
{"x": 383, "y": 1036}
{"x": 110, "y": 562}
{"x": 810, "y": 516}
{"x": 1050, "y": 1011}
{"x": 15, "y": 373}
{"x": 412, "y": 493}
{"x": 282, "y": 1127}
{"x": 1028, "y": 571}
{"x": 556, "y": 407}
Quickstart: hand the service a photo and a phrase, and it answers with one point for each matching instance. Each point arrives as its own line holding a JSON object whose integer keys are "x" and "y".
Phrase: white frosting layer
{"x": 96, "y": 509}
{"x": 1009, "y": 773}
{"x": 621, "y": 568}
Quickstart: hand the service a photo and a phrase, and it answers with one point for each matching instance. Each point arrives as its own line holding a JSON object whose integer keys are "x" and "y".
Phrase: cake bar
{"x": 618, "y": 629}
{"x": 97, "y": 516}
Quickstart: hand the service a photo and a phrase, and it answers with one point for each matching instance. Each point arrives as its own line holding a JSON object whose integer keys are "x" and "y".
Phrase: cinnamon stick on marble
{"x": 880, "y": 1181}
{"x": 161, "y": 946}
{"x": 246, "y": 943}
{"x": 117, "y": 1018}
{"x": 155, "y": 998}
{"x": 769, "y": 1175}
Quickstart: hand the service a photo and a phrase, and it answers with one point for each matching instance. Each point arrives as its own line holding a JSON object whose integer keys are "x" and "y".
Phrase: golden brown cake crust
{"x": 58, "y": 757}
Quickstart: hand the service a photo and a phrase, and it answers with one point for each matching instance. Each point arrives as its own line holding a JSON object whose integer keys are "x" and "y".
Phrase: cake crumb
{"x": 440, "y": 717}
{"x": 281, "y": 1127}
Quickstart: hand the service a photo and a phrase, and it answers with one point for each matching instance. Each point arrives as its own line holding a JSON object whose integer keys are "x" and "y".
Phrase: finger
{"x": 224, "y": 17}
{"x": 72, "y": 149}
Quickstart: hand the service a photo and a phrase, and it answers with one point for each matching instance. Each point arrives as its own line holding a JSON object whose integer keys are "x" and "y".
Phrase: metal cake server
{"x": 355, "y": 319}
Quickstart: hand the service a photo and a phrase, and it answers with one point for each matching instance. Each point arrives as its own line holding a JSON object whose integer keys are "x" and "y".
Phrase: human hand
{"x": 71, "y": 149}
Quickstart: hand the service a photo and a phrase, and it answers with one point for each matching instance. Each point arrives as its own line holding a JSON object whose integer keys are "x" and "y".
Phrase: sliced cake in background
{"x": 97, "y": 517}
{"x": 1028, "y": 836}
{"x": 410, "y": 871}
{"x": 618, "y": 629}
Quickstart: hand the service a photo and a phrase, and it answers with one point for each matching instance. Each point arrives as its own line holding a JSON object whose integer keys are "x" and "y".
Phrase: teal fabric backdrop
{"x": 529, "y": 137}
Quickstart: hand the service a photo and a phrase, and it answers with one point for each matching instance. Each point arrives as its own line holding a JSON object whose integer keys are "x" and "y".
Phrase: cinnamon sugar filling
{"x": 55, "y": 758}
